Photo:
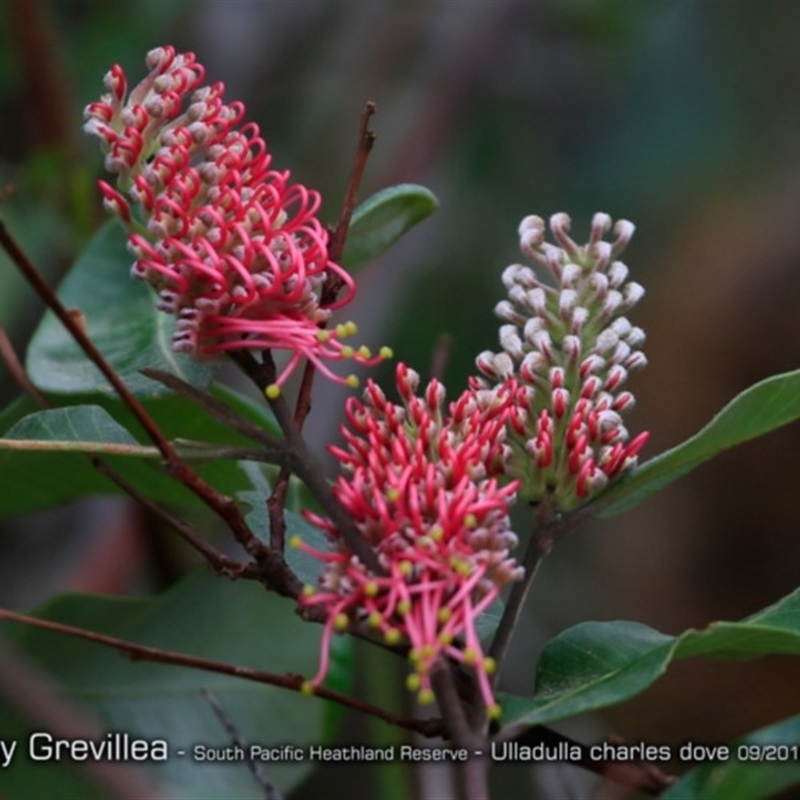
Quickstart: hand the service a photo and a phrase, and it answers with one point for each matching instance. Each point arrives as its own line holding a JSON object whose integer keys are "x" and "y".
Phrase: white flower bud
{"x": 636, "y": 337}
{"x": 505, "y": 310}
{"x": 579, "y": 317}
{"x": 532, "y": 327}
{"x": 510, "y": 341}
{"x": 601, "y": 224}
{"x": 621, "y": 352}
{"x": 569, "y": 274}
{"x": 599, "y": 282}
{"x": 606, "y": 340}
{"x": 531, "y": 223}
{"x": 503, "y": 365}
{"x": 624, "y": 231}
{"x": 532, "y": 366}
{"x": 617, "y": 274}
{"x": 633, "y": 294}
{"x": 536, "y": 300}
{"x": 621, "y": 327}
{"x": 572, "y": 347}
{"x": 566, "y": 300}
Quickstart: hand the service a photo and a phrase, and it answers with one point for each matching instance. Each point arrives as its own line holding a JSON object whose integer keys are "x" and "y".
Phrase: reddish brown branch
{"x": 303, "y": 463}
{"x": 274, "y": 569}
{"x": 219, "y": 562}
{"x": 330, "y": 290}
{"x": 17, "y": 371}
{"x": 366, "y": 139}
{"x": 295, "y": 683}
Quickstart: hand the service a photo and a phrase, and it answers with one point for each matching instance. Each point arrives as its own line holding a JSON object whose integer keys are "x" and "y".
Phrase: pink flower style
{"x": 423, "y": 490}
{"x": 231, "y": 246}
{"x": 571, "y": 348}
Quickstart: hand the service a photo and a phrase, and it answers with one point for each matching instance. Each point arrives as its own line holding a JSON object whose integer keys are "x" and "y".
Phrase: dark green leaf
{"x": 762, "y": 408}
{"x": 743, "y": 776}
{"x": 36, "y": 480}
{"x": 122, "y": 320}
{"x": 73, "y": 423}
{"x": 598, "y": 664}
{"x": 206, "y": 616}
{"x": 382, "y": 219}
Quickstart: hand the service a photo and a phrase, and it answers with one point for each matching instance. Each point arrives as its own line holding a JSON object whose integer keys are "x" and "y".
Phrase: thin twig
{"x": 219, "y": 562}
{"x": 295, "y": 683}
{"x": 17, "y": 371}
{"x": 188, "y": 449}
{"x": 366, "y": 140}
{"x": 214, "y": 407}
{"x": 271, "y": 791}
{"x": 336, "y": 244}
{"x": 462, "y": 731}
{"x": 549, "y": 527}
{"x": 75, "y": 328}
{"x": 273, "y": 565}
{"x": 330, "y": 290}
{"x": 304, "y": 465}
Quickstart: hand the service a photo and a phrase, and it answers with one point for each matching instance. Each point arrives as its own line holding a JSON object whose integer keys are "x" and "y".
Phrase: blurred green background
{"x": 680, "y": 115}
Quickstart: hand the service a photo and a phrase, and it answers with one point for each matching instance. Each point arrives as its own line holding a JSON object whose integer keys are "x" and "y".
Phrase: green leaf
{"x": 121, "y": 318}
{"x": 597, "y": 664}
{"x": 762, "y": 408}
{"x": 71, "y": 424}
{"x": 382, "y": 219}
{"x": 36, "y": 480}
{"x": 306, "y": 567}
{"x": 205, "y": 616}
{"x": 744, "y": 776}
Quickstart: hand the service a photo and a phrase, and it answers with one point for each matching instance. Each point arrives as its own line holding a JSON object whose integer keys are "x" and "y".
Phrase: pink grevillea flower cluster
{"x": 422, "y": 488}
{"x": 232, "y": 247}
{"x": 571, "y": 348}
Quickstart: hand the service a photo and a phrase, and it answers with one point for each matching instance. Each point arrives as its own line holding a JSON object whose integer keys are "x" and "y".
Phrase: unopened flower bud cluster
{"x": 568, "y": 342}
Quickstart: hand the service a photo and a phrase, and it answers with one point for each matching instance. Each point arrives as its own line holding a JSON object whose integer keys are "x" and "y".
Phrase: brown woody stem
{"x": 295, "y": 683}
{"x": 330, "y": 290}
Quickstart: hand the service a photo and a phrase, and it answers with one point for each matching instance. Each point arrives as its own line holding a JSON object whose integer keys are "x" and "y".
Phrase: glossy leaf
{"x": 120, "y": 316}
{"x": 205, "y": 616}
{"x": 597, "y": 664}
{"x": 382, "y": 219}
{"x": 71, "y": 424}
{"x": 743, "y": 776}
{"x": 762, "y": 408}
{"x": 36, "y": 480}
